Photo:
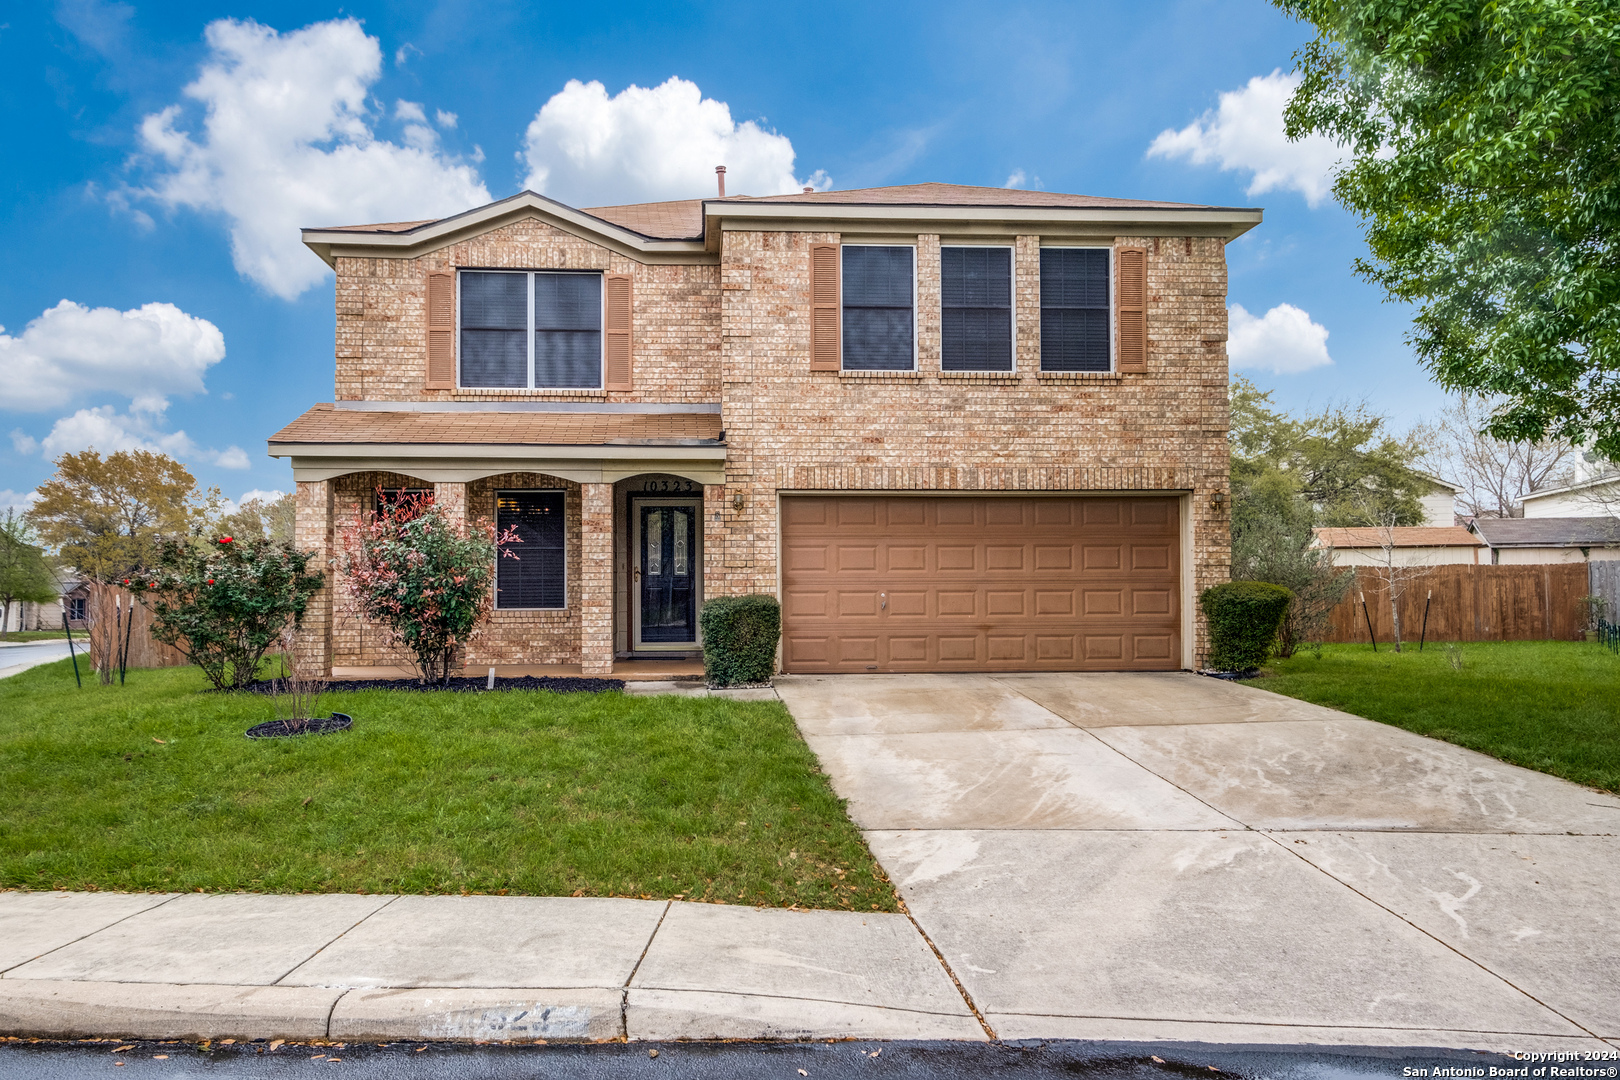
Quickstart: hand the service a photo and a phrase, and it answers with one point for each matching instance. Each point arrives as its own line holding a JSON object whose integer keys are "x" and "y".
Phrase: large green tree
{"x": 1482, "y": 142}
{"x": 25, "y": 573}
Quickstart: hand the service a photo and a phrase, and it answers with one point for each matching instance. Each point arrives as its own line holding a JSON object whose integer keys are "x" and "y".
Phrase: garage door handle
{"x": 883, "y": 600}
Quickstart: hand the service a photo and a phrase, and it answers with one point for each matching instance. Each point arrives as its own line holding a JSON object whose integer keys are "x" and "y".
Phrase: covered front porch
{"x": 617, "y": 524}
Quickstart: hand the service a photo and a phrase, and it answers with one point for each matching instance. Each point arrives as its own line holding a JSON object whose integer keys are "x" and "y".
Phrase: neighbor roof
{"x": 1548, "y": 531}
{"x": 1405, "y": 536}
{"x": 327, "y": 425}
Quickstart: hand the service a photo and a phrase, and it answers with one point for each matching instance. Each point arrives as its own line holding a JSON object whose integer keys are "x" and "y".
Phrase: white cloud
{"x": 231, "y": 506}
{"x": 140, "y": 428}
{"x": 642, "y": 145}
{"x": 17, "y": 500}
{"x": 409, "y": 110}
{"x": 1245, "y": 133}
{"x": 287, "y": 141}
{"x": 445, "y": 119}
{"x": 22, "y": 442}
{"x": 72, "y": 351}
{"x": 1284, "y": 340}
{"x": 1017, "y": 179}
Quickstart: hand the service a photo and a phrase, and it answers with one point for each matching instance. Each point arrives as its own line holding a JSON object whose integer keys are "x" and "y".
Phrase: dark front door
{"x": 668, "y": 565}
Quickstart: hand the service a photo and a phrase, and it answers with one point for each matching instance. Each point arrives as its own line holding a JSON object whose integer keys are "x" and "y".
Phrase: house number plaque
{"x": 678, "y": 487}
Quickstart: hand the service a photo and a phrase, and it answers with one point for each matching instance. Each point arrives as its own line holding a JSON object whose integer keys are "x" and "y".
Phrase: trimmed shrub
{"x": 739, "y": 638}
{"x": 1243, "y": 618}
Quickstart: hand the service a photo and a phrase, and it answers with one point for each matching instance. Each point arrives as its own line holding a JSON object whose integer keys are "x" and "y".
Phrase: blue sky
{"x": 161, "y": 158}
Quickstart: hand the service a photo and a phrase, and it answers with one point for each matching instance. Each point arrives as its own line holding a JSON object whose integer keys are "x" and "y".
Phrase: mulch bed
{"x": 462, "y": 685}
{"x": 284, "y": 729}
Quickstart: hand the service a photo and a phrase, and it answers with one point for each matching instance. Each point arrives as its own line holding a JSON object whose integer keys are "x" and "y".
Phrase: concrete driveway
{"x": 1163, "y": 856}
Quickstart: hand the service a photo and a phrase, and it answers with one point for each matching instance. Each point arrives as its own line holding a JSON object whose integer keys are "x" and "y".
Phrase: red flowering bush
{"x": 225, "y": 602}
{"x": 425, "y": 579}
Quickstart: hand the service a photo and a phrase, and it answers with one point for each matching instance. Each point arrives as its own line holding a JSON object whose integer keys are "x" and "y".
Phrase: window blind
{"x": 976, "y": 328}
{"x": 494, "y": 329}
{"x": 537, "y": 577}
{"x": 508, "y": 342}
{"x": 568, "y": 330}
{"x": 1076, "y": 330}
{"x": 877, "y": 308}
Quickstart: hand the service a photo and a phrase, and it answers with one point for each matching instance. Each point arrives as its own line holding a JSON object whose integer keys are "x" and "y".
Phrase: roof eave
{"x": 1230, "y": 222}
{"x": 329, "y": 244}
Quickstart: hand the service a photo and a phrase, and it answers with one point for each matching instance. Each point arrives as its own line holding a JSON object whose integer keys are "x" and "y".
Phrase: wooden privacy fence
{"x": 109, "y": 610}
{"x": 1470, "y": 603}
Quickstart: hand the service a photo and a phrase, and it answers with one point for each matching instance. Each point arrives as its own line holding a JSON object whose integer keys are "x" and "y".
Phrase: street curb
{"x": 47, "y": 1008}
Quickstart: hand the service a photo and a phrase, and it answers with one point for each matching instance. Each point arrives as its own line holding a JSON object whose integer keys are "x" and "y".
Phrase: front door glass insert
{"x": 668, "y": 596}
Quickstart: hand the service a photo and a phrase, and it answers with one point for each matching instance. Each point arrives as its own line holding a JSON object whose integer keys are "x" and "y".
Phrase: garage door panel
{"x": 1008, "y": 583}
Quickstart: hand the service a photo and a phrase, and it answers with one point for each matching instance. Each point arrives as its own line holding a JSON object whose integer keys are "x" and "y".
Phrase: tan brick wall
{"x": 530, "y": 636}
{"x": 381, "y": 332}
{"x": 790, "y": 429}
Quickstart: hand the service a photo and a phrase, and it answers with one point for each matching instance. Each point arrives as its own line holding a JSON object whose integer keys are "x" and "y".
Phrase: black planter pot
{"x": 284, "y": 729}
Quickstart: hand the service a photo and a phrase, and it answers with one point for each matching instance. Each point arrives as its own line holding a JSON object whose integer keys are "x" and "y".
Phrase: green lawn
{"x": 42, "y": 635}
{"x": 152, "y": 786}
{"x": 1547, "y": 705}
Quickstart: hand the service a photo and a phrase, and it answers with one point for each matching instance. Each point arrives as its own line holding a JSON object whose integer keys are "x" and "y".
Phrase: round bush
{"x": 739, "y": 638}
{"x": 1243, "y": 618}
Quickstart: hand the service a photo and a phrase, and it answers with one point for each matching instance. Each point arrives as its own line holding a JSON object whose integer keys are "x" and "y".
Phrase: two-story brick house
{"x": 953, "y": 428}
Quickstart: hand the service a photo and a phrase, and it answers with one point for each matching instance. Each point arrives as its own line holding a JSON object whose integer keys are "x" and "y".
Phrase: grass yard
{"x": 43, "y": 635}
{"x": 1547, "y": 705}
{"x": 152, "y": 786}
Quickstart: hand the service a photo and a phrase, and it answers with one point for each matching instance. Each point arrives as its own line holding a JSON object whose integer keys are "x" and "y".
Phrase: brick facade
{"x": 736, "y": 331}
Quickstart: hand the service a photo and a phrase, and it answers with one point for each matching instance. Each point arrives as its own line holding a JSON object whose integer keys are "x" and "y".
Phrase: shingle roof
{"x": 1549, "y": 532}
{"x": 328, "y": 425}
{"x": 1402, "y": 537}
{"x": 683, "y": 219}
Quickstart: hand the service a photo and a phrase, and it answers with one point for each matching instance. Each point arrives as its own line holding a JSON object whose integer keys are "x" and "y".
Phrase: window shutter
{"x": 616, "y": 341}
{"x": 441, "y": 331}
{"x": 1131, "y": 273}
{"x": 824, "y": 300}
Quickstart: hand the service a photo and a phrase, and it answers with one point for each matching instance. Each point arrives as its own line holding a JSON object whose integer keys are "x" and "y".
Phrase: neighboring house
{"x": 1417, "y": 545}
{"x": 1596, "y": 497}
{"x": 75, "y": 602}
{"x": 1439, "y": 502}
{"x": 1549, "y": 540}
{"x": 953, "y": 428}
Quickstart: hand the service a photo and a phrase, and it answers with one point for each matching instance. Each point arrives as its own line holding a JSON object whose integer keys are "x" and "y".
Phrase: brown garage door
{"x": 971, "y": 583}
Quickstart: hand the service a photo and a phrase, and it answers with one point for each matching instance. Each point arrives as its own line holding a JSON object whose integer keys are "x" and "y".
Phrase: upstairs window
{"x": 537, "y": 577}
{"x": 976, "y": 301}
{"x": 879, "y": 308}
{"x": 530, "y": 329}
{"x": 1076, "y": 327}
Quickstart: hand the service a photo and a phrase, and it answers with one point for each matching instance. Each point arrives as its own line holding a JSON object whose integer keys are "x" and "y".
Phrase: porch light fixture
{"x": 1218, "y": 499}
{"x": 738, "y": 501}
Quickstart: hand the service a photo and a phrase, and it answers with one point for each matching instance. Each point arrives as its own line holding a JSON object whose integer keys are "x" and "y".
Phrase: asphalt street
{"x": 722, "y": 1061}
{"x": 27, "y": 654}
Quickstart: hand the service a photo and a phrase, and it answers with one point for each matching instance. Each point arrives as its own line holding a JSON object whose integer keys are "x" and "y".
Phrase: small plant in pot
{"x": 297, "y": 697}
{"x": 1243, "y": 619}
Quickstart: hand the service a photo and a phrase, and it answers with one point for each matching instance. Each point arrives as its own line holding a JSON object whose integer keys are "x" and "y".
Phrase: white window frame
{"x": 1113, "y": 308}
{"x": 877, "y": 371}
{"x": 495, "y": 582}
{"x": 1012, "y": 310}
{"x": 601, "y": 322}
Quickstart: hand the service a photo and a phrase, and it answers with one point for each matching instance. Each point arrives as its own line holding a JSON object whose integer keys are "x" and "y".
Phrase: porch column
{"x": 451, "y": 498}
{"x": 596, "y": 579}
{"x": 313, "y": 532}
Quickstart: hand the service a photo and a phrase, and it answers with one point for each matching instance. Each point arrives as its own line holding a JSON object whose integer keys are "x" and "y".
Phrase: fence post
{"x": 1370, "y": 635}
{"x": 1425, "y": 635}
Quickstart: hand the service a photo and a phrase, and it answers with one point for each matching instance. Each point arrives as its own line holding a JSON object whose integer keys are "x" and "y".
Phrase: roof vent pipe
{"x": 809, "y": 191}
{"x": 720, "y": 171}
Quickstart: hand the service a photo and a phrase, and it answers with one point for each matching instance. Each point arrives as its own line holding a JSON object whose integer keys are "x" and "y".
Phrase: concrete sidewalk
{"x": 168, "y": 966}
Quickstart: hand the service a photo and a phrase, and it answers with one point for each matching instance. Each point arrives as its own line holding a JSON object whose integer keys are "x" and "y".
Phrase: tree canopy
{"x": 103, "y": 515}
{"x": 25, "y": 572}
{"x": 1483, "y": 156}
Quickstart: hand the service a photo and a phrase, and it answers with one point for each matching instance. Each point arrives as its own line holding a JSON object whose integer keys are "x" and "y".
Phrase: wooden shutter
{"x": 616, "y": 366}
{"x": 441, "y": 331}
{"x": 1131, "y": 284}
{"x": 824, "y": 308}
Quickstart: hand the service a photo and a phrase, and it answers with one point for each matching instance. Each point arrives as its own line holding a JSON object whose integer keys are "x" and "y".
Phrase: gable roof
{"x": 689, "y": 225}
{"x": 1402, "y": 537}
{"x": 1548, "y": 531}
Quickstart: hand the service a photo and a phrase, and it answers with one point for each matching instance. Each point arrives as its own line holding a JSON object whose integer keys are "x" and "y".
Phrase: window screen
{"x": 975, "y": 309}
{"x": 568, "y": 330}
{"x": 507, "y": 342}
{"x": 877, "y": 308}
{"x": 1076, "y": 329}
{"x": 494, "y": 329}
{"x": 536, "y": 578}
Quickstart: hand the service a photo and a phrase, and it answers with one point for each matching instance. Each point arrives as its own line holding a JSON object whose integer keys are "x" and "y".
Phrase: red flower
{"x": 126, "y": 581}
{"x": 153, "y": 585}
{"x": 210, "y": 581}
{"x": 224, "y": 539}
